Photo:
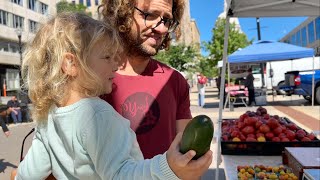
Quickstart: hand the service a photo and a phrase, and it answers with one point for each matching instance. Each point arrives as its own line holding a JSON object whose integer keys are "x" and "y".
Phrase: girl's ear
{"x": 69, "y": 64}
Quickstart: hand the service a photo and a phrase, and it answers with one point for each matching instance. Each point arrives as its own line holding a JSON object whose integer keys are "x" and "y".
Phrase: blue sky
{"x": 205, "y": 12}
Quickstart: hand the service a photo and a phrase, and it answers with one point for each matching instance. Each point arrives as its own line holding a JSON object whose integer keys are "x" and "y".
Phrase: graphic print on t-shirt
{"x": 142, "y": 110}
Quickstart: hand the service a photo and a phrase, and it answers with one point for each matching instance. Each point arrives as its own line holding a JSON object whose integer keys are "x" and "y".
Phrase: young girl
{"x": 70, "y": 62}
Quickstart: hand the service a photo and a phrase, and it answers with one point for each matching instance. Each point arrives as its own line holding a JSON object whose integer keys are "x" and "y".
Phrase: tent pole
{"x": 271, "y": 75}
{"x": 291, "y": 70}
{"x": 313, "y": 72}
{"x": 229, "y": 84}
{"x": 222, "y": 84}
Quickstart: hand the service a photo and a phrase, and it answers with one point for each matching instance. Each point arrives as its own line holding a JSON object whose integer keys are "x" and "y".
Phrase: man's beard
{"x": 135, "y": 47}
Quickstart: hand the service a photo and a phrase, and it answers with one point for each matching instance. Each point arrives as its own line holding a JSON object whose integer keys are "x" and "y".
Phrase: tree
{"x": 236, "y": 40}
{"x": 205, "y": 67}
{"x": 180, "y": 57}
{"x": 64, "y": 6}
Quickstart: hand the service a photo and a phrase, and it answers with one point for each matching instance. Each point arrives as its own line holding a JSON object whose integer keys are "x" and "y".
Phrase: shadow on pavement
{"x": 211, "y": 96}
{"x": 289, "y": 103}
{"x": 211, "y": 105}
{"x": 211, "y": 174}
{"x": 4, "y": 165}
{"x": 212, "y": 91}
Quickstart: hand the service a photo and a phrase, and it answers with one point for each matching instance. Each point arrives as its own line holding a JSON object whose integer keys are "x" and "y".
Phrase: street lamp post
{"x": 19, "y": 33}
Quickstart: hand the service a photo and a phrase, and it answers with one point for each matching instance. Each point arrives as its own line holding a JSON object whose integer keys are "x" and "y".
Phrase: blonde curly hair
{"x": 120, "y": 14}
{"x": 42, "y": 72}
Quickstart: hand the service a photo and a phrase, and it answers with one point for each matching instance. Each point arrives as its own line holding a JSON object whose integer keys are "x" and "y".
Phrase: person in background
{"x": 16, "y": 114}
{"x": 78, "y": 135}
{"x": 249, "y": 84}
{"x": 202, "y": 81}
{"x": 153, "y": 96}
{"x": 3, "y": 116}
{"x": 218, "y": 83}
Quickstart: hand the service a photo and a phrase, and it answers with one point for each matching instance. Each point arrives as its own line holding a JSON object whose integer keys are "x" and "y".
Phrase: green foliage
{"x": 180, "y": 57}
{"x": 236, "y": 40}
{"x": 64, "y": 6}
{"x": 205, "y": 67}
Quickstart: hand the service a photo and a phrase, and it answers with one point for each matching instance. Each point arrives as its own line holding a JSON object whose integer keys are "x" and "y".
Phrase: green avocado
{"x": 197, "y": 136}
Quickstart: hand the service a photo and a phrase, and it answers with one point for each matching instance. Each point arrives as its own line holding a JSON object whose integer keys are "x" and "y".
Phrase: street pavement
{"x": 10, "y": 148}
{"x": 295, "y": 108}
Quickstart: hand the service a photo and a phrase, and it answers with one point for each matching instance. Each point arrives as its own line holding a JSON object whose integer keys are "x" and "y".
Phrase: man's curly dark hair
{"x": 120, "y": 14}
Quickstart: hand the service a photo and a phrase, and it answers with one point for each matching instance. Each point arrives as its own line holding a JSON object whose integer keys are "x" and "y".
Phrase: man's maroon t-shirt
{"x": 153, "y": 102}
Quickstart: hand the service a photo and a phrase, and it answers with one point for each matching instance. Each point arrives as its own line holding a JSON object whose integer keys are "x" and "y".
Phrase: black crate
{"x": 262, "y": 148}
{"x": 267, "y": 148}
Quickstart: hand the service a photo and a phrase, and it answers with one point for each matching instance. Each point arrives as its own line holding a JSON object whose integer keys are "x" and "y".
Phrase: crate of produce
{"x": 263, "y": 172}
{"x": 258, "y": 133}
{"x": 301, "y": 158}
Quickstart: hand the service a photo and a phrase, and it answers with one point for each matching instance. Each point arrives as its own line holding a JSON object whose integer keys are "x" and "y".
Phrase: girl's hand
{"x": 183, "y": 165}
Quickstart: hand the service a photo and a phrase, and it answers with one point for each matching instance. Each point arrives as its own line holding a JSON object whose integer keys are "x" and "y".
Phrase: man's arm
{"x": 181, "y": 124}
{"x": 9, "y": 104}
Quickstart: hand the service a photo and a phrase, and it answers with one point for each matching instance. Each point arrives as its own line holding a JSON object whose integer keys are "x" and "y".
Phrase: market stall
{"x": 262, "y": 52}
{"x": 258, "y": 8}
{"x": 258, "y": 138}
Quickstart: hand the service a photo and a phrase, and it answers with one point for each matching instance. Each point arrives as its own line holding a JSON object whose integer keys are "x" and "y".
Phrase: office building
{"x": 189, "y": 32}
{"x": 19, "y": 20}
{"x": 307, "y": 34}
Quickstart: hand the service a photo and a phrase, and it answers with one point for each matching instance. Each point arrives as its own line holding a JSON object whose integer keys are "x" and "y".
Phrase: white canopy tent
{"x": 259, "y": 8}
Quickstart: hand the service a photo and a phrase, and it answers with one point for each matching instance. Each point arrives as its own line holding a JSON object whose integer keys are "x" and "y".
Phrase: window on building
{"x": 81, "y": 2}
{"x": 4, "y": 17}
{"x": 18, "y": 22}
{"x": 304, "y": 37}
{"x": 9, "y": 46}
{"x": 317, "y": 21}
{"x": 19, "y": 2}
{"x": 88, "y": 3}
{"x": 311, "y": 32}
{"x": 32, "y": 5}
{"x": 4, "y": 46}
{"x": 14, "y": 48}
{"x": 33, "y": 26}
{"x": 293, "y": 39}
{"x": 298, "y": 38}
{"x": 96, "y": 2}
{"x": 43, "y": 8}
{"x": 13, "y": 80}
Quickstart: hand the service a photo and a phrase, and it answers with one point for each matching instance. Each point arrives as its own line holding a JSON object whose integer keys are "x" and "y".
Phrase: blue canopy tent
{"x": 265, "y": 51}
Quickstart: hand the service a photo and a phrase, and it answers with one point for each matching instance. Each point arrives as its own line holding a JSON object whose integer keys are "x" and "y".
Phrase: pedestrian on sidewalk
{"x": 218, "y": 83}
{"x": 78, "y": 135}
{"x": 249, "y": 84}
{"x": 202, "y": 81}
{"x": 3, "y": 116}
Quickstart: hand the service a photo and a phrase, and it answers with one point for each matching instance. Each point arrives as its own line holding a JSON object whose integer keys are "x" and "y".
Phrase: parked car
{"x": 279, "y": 68}
{"x": 300, "y": 83}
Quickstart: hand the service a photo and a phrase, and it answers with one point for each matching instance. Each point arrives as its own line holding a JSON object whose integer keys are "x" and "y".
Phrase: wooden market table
{"x": 232, "y": 161}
